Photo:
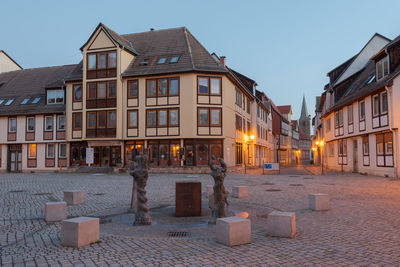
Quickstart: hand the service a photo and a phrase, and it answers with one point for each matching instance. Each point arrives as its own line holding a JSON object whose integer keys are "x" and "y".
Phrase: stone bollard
{"x": 79, "y": 232}
{"x": 281, "y": 224}
{"x": 74, "y": 197}
{"x": 233, "y": 231}
{"x": 319, "y": 202}
{"x": 240, "y": 191}
{"x": 55, "y": 211}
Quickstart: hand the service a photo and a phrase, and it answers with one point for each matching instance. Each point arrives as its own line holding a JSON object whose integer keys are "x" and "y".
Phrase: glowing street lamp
{"x": 246, "y": 139}
{"x": 320, "y": 144}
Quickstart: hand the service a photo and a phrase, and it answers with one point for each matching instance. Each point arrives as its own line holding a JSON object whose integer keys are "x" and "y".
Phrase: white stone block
{"x": 319, "y": 201}
{"x": 281, "y": 224}
{"x": 55, "y": 211}
{"x": 240, "y": 191}
{"x": 233, "y": 231}
{"x": 74, "y": 197}
{"x": 79, "y": 232}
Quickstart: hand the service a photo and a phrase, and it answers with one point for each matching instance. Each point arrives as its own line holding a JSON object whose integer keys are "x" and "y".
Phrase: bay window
{"x": 162, "y": 87}
{"x": 162, "y": 118}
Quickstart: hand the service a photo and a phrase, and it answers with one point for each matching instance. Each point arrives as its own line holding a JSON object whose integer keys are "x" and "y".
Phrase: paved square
{"x": 362, "y": 229}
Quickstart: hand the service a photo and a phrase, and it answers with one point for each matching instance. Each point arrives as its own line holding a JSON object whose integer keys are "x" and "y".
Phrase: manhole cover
{"x": 43, "y": 194}
{"x": 296, "y": 185}
{"x": 273, "y": 190}
{"x": 178, "y": 234}
{"x": 99, "y": 194}
{"x": 293, "y": 176}
{"x": 17, "y": 191}
{"x": 268, "y": 184}
{"x": 308, "y": 178}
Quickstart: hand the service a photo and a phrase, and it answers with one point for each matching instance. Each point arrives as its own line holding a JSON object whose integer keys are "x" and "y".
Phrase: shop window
{"x": 384, "y": 150}
{"x": 202, "y": 154}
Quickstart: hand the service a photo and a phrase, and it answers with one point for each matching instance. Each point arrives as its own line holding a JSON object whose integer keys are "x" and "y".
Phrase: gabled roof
{"x": 373, "y": 46}
{"x": 285, "y": 109}
{"x": 120, "y": 40}
{"x": 180, "y": 42}
{"x": 31, "y": 83}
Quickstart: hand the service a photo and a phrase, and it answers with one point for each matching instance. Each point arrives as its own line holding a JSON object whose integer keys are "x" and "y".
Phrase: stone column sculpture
{"x": 220, "y": 193}
{"x": 140, "y": 174}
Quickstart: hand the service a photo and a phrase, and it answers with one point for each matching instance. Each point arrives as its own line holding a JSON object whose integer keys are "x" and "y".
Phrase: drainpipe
{"x": 393, "y": 130}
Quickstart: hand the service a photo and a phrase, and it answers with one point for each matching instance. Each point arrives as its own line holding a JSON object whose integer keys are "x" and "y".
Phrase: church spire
{"x": 304, "y": 112}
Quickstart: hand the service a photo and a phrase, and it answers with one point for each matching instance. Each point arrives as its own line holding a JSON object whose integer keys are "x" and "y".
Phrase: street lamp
{"x": 246, "y": 139}
{"x": 320, "y": 145}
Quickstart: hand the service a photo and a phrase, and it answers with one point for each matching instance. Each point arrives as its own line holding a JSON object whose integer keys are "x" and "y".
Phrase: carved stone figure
{"x": 140, "y": 174}
{"x": 220, "y": 193}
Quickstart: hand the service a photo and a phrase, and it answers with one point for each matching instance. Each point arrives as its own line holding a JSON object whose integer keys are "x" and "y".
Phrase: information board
{"x": 89, "y": 155}
{"x": 274, "y": 166}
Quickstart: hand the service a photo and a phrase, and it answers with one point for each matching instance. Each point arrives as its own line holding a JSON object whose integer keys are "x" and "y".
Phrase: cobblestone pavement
{"x": 362, "y": 229}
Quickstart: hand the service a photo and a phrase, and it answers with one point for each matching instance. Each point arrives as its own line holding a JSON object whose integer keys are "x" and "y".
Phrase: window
{"x": 62, "y": 150}
{"x": 162, "y": 87}
{"x": 111, "y": 91}
{"x": 77, "y": 88}
{"x": 36, "y": 100}
{"x": 133, "y": 89}
{"x": 101, "y": 119}
{"x": 382, "y": 68}
{"x": 376, "y": 105}
{"x": 215, "y": 86}
{"x": 55, "y": 96}
{"x": 173, "y": 117}
{"x": 91, "y": 91}
{"x": 48, "y": 123}
{"x": 9, "y": 102}
{"x": 384, "y": 103}
{"x": 203, "y": 117}
{"x": 362, "y": 110}
{"x": 61, "y": 123}
{"x": 101, "y": 90}
{"x": 203, "y": 86}
{"x": 30, "y": 124}
{"x": 238, "y": 153}
{"x": 174, "y": 59}
{"x": 384, "y": 149}
{"x": 162, "y": 60}
{"x": 238, "y": 123}
{"x": 32, "y": 151}
{"x": 92, "y": 61}
{"x": 77, "y": 121}
{"x": 102, "y": 61}
{"x": 215, "y": 117}
{"x": 248, "y": 105}
{"x": 25, "y": 101}
{"x": 12, "y": 125}
{"x": 173, "y": 87}
{"x": 162, "y": 118}
{"x": 340, "y": 118}
{"x": 132, "y": 119}
{"x": 111, "y": 119}
{"x": 1, "y": 101}
{"x": 112, "y": 59}
{"x": 328, "y": 124}
{"x": 50, "y": 151}
{"x": 365, "y": 145}
{"x": 151, "y": 118}
{"x": 151, "y": 88}
{"x": 91, "y": 122}
{"x": 331, "y": 149}
{"x": 238, "y": 98}
{"x": 350, "y": 114}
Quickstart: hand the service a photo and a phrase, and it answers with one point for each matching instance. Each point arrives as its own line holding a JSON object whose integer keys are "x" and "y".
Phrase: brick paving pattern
{"x": 362, "y": 229}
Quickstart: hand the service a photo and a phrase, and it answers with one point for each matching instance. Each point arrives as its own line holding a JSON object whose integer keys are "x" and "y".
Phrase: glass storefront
{"x": 199, "y": 152}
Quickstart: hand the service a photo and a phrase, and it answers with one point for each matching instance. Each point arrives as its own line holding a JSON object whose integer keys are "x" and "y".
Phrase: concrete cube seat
{"x": 240, "y": 191}
{"x": 55, "y": 211}
{"x": 319, "y": 202}
{"x": 281, "y": 224}
{"x": 79, "y": 232}
{"x": 233, "y": 231}
{"x": 74, "y": 197}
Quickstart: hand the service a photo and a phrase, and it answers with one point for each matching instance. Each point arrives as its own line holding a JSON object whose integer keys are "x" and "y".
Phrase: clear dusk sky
{"x": 286, "y": 46}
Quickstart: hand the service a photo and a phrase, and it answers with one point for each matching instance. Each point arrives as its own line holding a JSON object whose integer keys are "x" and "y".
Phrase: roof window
{"x": 36, "y": 100}
{"x": 1, "y": 101}
{"x": 174, "y": 59}
{"x": 25, "y": 101}
{"x": 162, "y": 60}
{"x": 9, "y": 101}
{"x": 145, "y": 62}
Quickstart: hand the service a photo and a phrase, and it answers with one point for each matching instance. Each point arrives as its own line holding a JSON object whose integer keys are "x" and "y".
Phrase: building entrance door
{"x": 355, "y": 156}
{"x": 14, "y": 158}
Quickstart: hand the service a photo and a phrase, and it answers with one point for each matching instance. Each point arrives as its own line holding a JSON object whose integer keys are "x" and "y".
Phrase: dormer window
{"x": 382, "y": 68}
{"x": 55, "y": 97}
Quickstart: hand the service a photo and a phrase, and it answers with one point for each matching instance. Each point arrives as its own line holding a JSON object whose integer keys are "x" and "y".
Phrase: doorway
{"x": 355, "y": 156}
{"x": 14, "y": 158}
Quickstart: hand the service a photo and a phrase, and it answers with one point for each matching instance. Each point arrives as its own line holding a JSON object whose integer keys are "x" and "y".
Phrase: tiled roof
{"x": 31, "y": 83}
{"x": 284, "y": 109}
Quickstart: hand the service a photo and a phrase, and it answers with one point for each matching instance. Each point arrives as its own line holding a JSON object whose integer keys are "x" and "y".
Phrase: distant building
{"x": 7, "y": 63}
{"x": 305, "y": 119}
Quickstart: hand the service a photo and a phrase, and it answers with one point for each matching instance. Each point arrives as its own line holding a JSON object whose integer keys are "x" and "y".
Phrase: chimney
{"x": 223, "y": 60}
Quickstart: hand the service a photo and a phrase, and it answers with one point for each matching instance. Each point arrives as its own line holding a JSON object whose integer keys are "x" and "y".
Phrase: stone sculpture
{"x": 220, "y": 193}
{"x": 139, "y": 172}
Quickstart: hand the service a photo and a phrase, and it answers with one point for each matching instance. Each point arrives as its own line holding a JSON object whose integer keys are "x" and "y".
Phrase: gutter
{"x": 393, "y": 131}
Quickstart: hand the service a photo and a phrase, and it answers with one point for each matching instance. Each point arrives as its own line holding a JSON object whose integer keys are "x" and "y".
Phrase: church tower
{"x": 305, "y": 120}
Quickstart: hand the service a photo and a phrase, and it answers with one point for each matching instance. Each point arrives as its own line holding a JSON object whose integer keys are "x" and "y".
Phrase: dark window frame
{"x": 74, "y": 115}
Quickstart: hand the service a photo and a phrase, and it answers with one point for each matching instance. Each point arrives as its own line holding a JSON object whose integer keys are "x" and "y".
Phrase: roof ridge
{"x": 167, "y": 29}
{"x": 189, "y": 48}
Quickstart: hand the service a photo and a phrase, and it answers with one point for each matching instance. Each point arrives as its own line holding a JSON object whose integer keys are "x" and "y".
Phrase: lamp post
{"x": 246, "y": 139}
{"x": 320, "y": 146}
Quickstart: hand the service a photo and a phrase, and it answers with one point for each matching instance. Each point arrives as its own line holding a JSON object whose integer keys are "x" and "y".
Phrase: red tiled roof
{"x": 285, "y": 109}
